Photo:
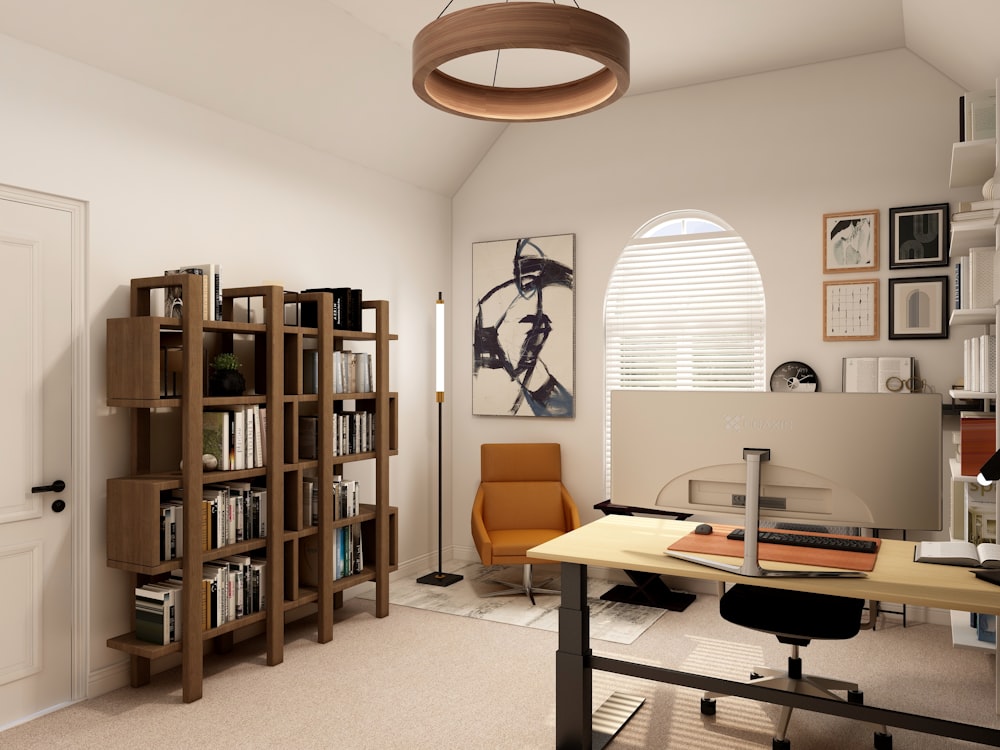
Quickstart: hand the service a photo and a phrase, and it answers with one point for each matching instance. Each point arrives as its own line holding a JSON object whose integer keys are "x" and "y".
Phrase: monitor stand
{"x": 751, "y": 565}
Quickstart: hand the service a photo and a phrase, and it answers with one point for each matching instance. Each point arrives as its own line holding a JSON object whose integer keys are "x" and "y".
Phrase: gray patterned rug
{"x": 609, "y": 621}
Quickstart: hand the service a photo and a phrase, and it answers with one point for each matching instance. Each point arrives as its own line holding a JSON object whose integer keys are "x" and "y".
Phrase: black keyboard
{"x": 850, "y": 544}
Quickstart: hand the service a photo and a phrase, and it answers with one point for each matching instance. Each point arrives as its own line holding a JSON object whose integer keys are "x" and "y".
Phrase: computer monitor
{"x": 869, "y": 460}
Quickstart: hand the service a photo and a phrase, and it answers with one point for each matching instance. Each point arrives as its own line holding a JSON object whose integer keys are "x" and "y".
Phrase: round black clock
{"x": 794, "y": 377}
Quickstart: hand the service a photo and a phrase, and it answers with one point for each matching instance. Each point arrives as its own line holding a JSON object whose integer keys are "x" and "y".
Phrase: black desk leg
{"x": 576, "y": 727}
{"x": 574, "y": 678}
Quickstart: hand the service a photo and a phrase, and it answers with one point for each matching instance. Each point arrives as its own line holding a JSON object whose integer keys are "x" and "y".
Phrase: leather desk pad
{"x": 716, "y": 543}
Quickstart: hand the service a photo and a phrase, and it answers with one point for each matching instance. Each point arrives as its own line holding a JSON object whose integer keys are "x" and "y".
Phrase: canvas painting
{"x": 524, "y": 334}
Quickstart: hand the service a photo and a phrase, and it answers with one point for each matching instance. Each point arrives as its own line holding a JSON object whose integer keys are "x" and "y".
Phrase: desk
{"x": 624, "y": 542}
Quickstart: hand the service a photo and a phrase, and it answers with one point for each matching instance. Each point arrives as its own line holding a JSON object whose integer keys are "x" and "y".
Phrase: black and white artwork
{"x": 850, "y": 241}
{"x": 918, "y": 236}
{"x": 524, "y": 327}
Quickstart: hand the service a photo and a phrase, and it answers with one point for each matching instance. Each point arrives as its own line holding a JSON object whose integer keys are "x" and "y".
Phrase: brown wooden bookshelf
{"x": 157, "y": 369}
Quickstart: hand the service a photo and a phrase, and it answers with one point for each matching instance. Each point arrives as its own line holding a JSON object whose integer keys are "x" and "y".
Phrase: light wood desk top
{"x": 638, "y": 543}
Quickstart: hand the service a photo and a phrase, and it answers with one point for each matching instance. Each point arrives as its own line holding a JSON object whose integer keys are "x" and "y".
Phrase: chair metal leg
{"x": 525, "y": 587}
{"x": 794, "y": 681}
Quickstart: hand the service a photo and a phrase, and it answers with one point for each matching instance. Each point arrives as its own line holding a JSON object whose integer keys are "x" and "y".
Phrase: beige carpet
{"x": 609, "y": 621}
{"x": 420, "y": 680}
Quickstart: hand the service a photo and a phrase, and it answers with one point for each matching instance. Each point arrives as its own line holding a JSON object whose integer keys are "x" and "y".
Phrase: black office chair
{"x": 795, "y": 617}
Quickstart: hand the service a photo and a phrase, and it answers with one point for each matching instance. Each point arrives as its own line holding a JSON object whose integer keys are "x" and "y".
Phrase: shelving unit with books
{"x": 974, "y": 239}
{"x": 157, "y": 370}
{"x": 316, "y": 394}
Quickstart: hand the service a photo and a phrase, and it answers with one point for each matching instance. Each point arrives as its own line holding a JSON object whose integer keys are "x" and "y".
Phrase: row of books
{"x": 348, "y": 555}
{"x": 211, "y": 302}
{"x": 353, "y": 432}
{"x": 979, "y": 363}
{"x": 235, "y": 439}
{"x": 231, "y": 587}
{"x": 346, "y": 309}
{"x": 232, "y": 513}
{"x": 346, "y": 499}
{"x": 352, "y": 371}
{"x": 973, "y": 283}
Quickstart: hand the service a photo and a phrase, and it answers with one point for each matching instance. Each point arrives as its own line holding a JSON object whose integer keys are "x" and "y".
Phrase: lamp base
{"x": 440, "y": 579}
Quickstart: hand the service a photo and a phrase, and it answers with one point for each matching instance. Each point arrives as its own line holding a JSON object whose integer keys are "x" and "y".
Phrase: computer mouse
{"x": 703, "y": 528}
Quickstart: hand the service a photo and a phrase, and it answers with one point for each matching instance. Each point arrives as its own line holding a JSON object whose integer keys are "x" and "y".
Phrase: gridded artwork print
{"x": 850, "y": 311}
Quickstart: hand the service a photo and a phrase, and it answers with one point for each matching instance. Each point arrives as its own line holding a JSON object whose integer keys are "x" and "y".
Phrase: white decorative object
{"x": 991, "y": 189}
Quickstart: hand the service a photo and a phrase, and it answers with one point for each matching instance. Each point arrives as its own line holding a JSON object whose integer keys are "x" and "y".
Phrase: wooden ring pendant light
{"x": 521, "y": 25}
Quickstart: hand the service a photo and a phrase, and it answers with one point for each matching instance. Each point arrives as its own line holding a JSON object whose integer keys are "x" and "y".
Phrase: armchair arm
{"x": 480, "y": 536}
{"x": 569, "y": 509}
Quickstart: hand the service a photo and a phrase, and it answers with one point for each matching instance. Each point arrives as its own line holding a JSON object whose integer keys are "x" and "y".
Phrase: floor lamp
{"x": 439, "y": 578}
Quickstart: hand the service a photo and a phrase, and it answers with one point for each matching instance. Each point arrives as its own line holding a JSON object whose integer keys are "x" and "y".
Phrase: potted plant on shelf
{"x": 224, "y": 376}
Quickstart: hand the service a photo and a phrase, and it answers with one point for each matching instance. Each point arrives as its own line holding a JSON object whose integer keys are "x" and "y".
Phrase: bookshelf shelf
{"x": 971, "y": 233}
{"x": 972, "y": 162}
{"x": 156, "y": 369}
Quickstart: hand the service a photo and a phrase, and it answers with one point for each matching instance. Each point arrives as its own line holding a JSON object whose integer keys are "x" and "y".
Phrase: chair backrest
{"x": 522, "y": 486}
{"x": 521, "y": 462}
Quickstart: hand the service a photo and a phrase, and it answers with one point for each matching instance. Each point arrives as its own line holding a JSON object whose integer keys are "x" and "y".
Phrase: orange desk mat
{"x": 716, "y": 543}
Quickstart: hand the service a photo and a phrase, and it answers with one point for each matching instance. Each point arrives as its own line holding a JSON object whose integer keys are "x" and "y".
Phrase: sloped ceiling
{"x": 335, "y": 74}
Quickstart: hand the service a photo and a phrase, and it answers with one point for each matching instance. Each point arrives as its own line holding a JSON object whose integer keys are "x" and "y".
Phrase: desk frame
{"x": 575, "y": 663}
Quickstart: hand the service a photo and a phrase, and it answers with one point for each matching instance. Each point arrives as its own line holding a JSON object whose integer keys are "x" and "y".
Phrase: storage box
{"x": 978, "y": 441}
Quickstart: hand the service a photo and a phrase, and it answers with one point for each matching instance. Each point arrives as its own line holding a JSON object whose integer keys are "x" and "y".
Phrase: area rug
{"x": 609, "y": 621}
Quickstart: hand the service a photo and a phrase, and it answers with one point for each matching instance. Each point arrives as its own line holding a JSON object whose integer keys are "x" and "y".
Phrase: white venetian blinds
{"x": 684, "y": 311}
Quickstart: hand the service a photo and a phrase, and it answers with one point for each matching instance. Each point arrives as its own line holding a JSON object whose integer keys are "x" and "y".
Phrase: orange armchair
{"x": 521, "y": 502}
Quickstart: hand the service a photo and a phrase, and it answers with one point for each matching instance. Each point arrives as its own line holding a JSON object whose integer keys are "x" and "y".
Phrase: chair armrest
{"x": 570, "y": 510}
{"x": 480, "y": 536}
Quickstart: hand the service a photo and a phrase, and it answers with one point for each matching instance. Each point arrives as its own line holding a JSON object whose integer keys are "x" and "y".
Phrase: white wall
{"x": 168, "y": 184}
{"x": 769, "y": 154}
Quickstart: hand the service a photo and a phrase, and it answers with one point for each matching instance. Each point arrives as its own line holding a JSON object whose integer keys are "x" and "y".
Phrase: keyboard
{"x": 850, "y": 544}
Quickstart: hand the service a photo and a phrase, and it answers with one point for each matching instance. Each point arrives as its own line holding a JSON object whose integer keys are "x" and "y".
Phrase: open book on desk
{"x": 985, "y": 555}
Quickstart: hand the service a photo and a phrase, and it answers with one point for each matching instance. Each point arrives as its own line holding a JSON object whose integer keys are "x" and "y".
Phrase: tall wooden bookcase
{"x": 156, "y": 369}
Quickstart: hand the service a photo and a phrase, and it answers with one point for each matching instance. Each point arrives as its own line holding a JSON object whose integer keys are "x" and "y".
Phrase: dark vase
{"x": 226, "y": 383}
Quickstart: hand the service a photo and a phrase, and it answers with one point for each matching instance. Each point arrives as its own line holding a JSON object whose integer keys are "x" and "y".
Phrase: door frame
{"x": 80, "y": 427}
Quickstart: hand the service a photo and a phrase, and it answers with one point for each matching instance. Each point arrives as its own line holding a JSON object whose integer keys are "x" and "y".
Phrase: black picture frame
{"x": 918, "y": 236}
{"x": 918, "y": 307}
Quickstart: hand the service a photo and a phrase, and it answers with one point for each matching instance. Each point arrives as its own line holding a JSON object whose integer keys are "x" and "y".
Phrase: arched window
{"x": 684, "y": 310}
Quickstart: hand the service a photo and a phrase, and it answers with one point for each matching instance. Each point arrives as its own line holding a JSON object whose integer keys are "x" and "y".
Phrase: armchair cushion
{"x": 516, "y": 505}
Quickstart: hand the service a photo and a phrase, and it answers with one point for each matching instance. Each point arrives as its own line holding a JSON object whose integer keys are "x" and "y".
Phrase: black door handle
{"x": 57, "y": 486}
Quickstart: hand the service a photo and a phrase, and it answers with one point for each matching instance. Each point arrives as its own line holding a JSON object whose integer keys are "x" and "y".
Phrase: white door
{"x": 37, "y": 625}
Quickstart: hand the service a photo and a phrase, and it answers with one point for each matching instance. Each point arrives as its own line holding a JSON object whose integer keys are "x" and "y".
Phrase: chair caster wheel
{"x": 856, "y": 696}
{"x": 883, "y": 741}
{"x": 777, "y": 744}
{"x": 708, "y": 706}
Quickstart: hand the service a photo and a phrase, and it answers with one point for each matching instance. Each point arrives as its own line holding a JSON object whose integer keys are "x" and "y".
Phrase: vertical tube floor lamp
{"x": 439, "y": 578}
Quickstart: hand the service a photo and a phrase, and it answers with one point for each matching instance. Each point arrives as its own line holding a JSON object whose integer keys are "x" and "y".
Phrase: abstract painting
{"x": 850, "y": 241}
{"x": 524, "y": 337}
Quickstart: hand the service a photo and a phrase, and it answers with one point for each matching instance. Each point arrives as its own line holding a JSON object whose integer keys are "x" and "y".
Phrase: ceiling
{"x": 335, "y": 74}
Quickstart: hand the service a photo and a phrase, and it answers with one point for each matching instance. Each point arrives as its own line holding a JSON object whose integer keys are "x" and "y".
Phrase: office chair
{"x": 521, "y": 503}
{"x": 795, "y": 617}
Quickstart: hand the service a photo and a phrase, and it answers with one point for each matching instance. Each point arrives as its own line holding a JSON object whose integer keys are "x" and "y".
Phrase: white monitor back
{"x": 853, "y": 459}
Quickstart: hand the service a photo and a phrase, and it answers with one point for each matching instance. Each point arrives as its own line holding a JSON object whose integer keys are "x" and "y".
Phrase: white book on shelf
{"x": 981, "y": 277}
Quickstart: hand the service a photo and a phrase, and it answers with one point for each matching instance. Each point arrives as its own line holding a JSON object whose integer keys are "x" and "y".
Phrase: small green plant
{"x": 226, "y": 361}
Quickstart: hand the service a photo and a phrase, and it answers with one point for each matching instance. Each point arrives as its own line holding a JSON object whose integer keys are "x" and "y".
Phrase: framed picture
{"x": 850, "y": 241}
{"x": 918, "y": 236}
{"x": 918, "y": 307}
{"x": 850, "y": 310}
{"x": 524, "y": 337}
